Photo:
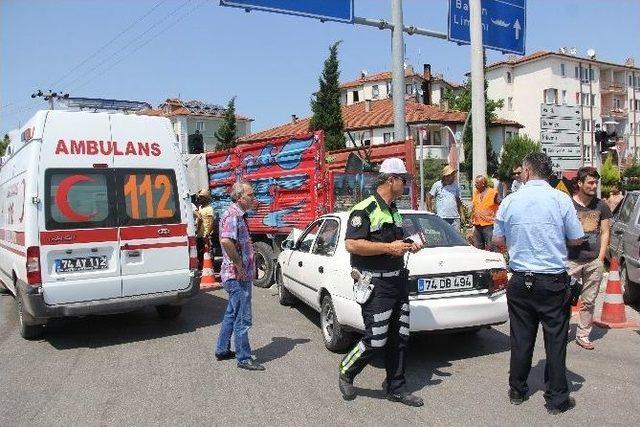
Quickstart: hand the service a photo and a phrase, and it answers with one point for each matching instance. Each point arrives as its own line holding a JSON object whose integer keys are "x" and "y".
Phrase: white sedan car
{"x": 453, "y": 286}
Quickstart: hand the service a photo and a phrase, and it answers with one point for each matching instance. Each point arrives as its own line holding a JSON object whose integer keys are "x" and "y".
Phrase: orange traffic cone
{"x": 613, "y": 309}
{"x": 576, "y": 308}
{"x": 208, "y": 281}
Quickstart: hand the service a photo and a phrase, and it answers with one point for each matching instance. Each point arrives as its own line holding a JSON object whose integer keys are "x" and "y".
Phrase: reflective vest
{"x": 377, "y": 216}
{"x": 484, "y": 207}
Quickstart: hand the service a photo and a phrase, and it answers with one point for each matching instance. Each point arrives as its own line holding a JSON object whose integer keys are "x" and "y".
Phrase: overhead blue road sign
{"x": 503, "y": 24}
{"x": 333, "y": 10}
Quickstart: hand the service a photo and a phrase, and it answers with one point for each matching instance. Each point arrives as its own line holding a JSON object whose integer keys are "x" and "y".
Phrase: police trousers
{"x": 386, "y": 321}
{"x": 546, "y": 302}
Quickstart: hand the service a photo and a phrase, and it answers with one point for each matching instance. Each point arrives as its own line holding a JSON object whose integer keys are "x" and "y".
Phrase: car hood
{"x": 453, "y": 259}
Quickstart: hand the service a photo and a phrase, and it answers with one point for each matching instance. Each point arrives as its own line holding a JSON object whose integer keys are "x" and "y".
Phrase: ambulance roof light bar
{"x": 104, "y": 104}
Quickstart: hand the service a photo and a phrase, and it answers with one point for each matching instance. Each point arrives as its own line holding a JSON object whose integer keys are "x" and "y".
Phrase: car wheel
{"x": 265, "y": 264}
{"x": 28, "y": 331}
{"x": 284, "y": 296}
{"x": 630, "y": 290}
{"x": 335, "y": 337}
{"x": 168, "y": 311}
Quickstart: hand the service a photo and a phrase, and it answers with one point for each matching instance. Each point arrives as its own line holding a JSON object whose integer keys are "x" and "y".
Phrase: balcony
{"x": 613, "y": 87}
{"x": 618, "y": 113}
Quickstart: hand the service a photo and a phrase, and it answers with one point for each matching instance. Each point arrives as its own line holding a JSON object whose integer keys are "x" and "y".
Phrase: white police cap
{"x": 393, "y": 165}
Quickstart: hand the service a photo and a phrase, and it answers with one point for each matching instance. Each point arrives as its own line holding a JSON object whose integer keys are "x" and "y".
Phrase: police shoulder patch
{"x": 356, "y": 221}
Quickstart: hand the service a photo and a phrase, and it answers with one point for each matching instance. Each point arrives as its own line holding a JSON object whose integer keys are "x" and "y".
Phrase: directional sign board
{"x": 556, "y": 123}
{"x": 560, "y": 128}
{"x": 503, "y": 24}
{"x": 333, "y": 10}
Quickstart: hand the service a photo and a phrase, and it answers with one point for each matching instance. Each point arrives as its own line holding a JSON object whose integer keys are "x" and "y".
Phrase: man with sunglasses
{"x": 376, "y": 242}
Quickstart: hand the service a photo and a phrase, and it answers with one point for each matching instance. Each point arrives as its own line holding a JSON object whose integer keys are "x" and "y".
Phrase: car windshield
{"x": 432, "y": 230}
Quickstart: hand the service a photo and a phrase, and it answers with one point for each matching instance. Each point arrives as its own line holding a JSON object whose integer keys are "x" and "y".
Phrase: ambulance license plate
{"x": 445, "y": 283}
{"x": 69, "y": 265}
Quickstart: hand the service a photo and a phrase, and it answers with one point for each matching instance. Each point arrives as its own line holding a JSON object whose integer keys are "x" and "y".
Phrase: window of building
{"x": 588, "y": 125}
{"x": 562, "y": 71}
{"x": 509, "y": 77}
{"x": 437, "y": 138}
{"x": 510, "y": 103}
{"x": 550, "y": 96}
{"x": 630, "y": 80}
{"x": 564, "y": 96}
{"x": 200, "y": 126}
{"x": 508, "y": 135}
{"x": 388, "y": 87}
{"x": 408, "y": 89}
{"x": 577, "y": 98}
{"x": 356, "y": 96}
{"x": 617, "y": 103}
{"x": 637, "y": 104}
{"x": 375, "y": 91}
{"x": 386, "y": 137}
{"x": 367, "y": 142}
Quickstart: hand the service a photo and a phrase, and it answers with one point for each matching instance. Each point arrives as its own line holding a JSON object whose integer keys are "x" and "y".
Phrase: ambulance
{"x": 95, "y": 218}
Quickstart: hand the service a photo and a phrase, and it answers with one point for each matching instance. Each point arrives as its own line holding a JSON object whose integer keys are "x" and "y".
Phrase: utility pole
{"x": 50, "y": 97}
{"x": 397, "y": 48}
{"x": 477, "y": 91}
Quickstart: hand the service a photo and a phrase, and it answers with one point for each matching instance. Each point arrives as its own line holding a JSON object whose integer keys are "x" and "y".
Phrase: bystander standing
{"x": 536, "y": 224}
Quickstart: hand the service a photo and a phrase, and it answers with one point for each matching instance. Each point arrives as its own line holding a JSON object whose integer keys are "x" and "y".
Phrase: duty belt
{"x": 384, "y": 273}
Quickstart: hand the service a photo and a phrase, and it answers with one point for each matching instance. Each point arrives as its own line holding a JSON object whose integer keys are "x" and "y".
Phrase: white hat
{"x": 393, "y": 165}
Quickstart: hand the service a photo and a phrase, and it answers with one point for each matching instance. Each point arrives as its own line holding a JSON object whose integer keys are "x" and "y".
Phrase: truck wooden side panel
{"x": 288, "y": 176}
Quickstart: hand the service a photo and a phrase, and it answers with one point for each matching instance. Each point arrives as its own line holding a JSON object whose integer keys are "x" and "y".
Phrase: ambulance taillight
{"x": 33, "y": 265}
{"x": 193, "y": 253}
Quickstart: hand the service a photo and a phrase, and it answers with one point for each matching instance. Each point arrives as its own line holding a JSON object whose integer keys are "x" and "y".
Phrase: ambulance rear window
{"x": 78, "y": 199}
{"x": 148, "y": 196}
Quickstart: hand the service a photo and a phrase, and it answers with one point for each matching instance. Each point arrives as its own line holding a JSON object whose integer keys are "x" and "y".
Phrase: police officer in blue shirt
{"x": 536, "y": 224}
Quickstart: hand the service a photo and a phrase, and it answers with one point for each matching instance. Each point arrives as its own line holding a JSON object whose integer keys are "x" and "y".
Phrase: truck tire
{"x": 335, "y": 337}
{"x": 27, "y": 330}
{"x": 630, "y": 290}
{"x": 265, "y": 264}
{"x": 285, "y": 297}
{"x": 168, "y": 311}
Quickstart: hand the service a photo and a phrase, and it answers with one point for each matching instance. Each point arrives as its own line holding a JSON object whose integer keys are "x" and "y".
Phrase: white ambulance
{"x": 95, "y": 218}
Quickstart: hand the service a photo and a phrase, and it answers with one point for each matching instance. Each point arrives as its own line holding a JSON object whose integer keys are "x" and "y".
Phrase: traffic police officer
{"x": 537, "y": 223}
{"x": 374, "y": 238}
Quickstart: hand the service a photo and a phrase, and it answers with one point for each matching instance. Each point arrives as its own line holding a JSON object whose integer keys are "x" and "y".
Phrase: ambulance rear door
{"x": 153, "y": 221}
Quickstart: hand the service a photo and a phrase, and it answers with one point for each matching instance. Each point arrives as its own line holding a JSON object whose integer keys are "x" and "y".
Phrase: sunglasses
{"x": 402, "y": 178}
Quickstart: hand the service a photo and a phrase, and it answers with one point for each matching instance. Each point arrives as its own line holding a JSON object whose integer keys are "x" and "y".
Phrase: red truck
{"x": 295, "y": 181}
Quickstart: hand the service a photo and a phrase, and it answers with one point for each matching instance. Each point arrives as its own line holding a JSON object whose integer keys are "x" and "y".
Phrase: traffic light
{"x": 606, "y": 141}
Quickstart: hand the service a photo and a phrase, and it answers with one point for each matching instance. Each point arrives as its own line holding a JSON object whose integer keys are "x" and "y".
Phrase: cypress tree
{"x": 226, "y": 133}
{"x": 327, "y": 114}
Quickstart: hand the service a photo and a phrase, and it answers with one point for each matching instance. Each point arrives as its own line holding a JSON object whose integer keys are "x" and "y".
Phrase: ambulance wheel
{"x": 265, "y": 264}
{"x": 335, "y": 337}
{"x": 284, "y": 296}
{"x": 27, "y": 330}
{"x": 168, "y": 311}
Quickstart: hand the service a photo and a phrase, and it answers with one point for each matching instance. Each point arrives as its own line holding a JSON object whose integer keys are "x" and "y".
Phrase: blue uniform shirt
{"x": 536, "y": 222}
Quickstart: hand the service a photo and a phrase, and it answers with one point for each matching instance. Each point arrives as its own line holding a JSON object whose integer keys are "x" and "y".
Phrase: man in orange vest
{"x": 483, "y": 213}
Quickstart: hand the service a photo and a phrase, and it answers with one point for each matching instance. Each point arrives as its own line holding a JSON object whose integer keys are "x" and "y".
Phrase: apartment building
{"x": 609, "y": 93}
{"x": 188, "y": 117}
{"x": 425, "y": 88}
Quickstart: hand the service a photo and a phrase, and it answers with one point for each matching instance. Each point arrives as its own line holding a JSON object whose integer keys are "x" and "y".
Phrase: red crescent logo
{"x": 62, "y": 198}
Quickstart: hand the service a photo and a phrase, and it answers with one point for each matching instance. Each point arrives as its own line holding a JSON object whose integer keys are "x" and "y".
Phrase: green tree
{"x": 432, "y": 172}
{"x": 327, "y": 113}
{"x": 610, "y": 174}
{"x": 3, "y": 144}
{"x": 226, "y": 133}
{"x": 513, "y": 152}
{"x": 462, "y": 101}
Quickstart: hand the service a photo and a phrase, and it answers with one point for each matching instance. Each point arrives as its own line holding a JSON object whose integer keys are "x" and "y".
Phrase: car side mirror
{"x": 287, "y": 244}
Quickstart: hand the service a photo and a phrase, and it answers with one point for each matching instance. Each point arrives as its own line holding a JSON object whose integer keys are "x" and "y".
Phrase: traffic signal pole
{"x": 477, "y": 92}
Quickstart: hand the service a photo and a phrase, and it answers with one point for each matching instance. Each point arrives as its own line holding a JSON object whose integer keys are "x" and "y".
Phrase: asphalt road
{"x": 135, "y": 369}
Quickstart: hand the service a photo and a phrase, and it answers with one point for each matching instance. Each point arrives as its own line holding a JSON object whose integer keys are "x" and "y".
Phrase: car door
{"x": 622, "y": 223}
{"x": 322, "y": 269}
{"x": 298, "y": 274}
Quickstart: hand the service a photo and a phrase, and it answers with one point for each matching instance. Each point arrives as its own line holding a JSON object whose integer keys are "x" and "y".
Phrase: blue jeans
{"x": 237, "y": 320}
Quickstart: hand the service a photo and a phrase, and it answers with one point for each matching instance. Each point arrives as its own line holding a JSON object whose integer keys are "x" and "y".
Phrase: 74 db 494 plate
{"x": 445, "y": 283}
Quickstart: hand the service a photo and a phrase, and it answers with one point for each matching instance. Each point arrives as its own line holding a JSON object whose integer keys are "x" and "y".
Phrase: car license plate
{"x": 68, "y": 265}
{"x": 446, "y": 283}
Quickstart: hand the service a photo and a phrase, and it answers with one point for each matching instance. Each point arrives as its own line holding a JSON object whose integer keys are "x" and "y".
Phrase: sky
{"x": 150, "y": 50}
